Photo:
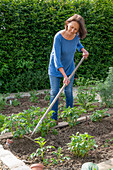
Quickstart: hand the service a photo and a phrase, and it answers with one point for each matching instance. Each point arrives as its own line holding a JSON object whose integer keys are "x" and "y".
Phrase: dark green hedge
{"x": 26, "y": 36}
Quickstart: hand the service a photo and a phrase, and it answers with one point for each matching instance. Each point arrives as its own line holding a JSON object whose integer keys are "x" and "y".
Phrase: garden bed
{"x": 102, "y": 132}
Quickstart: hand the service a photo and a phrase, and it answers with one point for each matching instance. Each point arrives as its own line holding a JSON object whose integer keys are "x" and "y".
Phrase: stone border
{"x": 11, "y": 161}
{"x": 12, "y": 95}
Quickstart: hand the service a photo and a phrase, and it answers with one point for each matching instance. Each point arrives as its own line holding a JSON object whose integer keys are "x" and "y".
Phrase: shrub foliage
{"x": 106, "y": 89}
{"x": 27, "y": 31}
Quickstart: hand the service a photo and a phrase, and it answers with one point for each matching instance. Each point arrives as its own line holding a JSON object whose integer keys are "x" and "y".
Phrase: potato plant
{"x": 81, "y": 144}
{"x": 72, "y": 114}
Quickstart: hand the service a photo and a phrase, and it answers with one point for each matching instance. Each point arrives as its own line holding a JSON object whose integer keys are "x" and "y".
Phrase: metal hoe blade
{"x": 57, "y": 96}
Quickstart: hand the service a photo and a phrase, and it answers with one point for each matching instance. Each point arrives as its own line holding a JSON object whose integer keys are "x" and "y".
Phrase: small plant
{"x": 40, "y": 151}
{"x": 15, "y": 102}
{"x": 86, "y": 99}
{"x": 18, "y": 95}
{"x": 59, "y": 157}
{"x": 46, "y": 92}
{"x": 81, "y": 144}
{"x": 2, "y": 101}
{"x": 47, "y": 97}
{"x": 98, "y": 115}
{"x": 72, "y": 114}
{"x": 106, "y": 89}
{"x": 33, "y": 97}
{"x": 54, "y": 131}
{"x": 62, "y": 94}
{"x": 2, "y": 118}
{"x": 46, "y": 124}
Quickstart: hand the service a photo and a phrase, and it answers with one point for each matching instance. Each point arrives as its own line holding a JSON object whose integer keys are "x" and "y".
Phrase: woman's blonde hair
{"x": 80, "y": 20}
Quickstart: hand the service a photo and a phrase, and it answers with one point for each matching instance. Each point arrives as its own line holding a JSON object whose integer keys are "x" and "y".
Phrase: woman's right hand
{"x": 66, "y": 81}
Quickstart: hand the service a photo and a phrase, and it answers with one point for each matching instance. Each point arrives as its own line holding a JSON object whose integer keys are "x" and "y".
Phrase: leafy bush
{"x": 71, "y": 115}
{"x": 27, "y": 30}
{"x": 86, "y": 98}
{"x": 98, "y": 115}
{"x": 106, "y": 89}
{"x": 81, "y": 144}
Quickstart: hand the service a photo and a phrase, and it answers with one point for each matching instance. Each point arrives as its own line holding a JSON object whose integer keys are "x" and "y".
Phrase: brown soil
{"x": 102, "y": 132}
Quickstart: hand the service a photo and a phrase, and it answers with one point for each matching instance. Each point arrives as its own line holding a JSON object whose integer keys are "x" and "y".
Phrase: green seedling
{"x": 55, "y": 132}
{"x": 47, "y": 97}
{"x": 59, "y": 157}
{"x": 40, "y": 151}
{"x": 15, "y": 102}
{"x": 33, "y": 97}
{"x": 98, "y": 115}
{"x": 46, "y": 92}
{"x": 18, "y": 95}
{"x": 47, "y": 123}
{"x": 81, "y": 144}
{"x": 86, "y": 99}
{"x": 62, "y": 94}
{"x": 2, "y": 118}
{"x": 71, "y": 115}
{"x": 3, "y": 101}
{"x": 111, "y": 140}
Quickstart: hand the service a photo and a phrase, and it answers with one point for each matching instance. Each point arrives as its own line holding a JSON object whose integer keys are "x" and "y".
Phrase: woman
{"x": 61, "y": 62}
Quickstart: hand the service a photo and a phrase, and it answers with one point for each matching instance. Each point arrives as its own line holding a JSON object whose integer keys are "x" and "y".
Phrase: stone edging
{"x": 11, "y": 161}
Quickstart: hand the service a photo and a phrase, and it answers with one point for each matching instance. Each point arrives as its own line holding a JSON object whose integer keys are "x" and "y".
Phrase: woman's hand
{"x": 85, "y": 53}
{"x": 66, "y": 81}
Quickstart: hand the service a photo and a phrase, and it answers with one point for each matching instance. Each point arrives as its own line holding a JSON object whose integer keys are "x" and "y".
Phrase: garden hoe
{"x": 57, "y": 96}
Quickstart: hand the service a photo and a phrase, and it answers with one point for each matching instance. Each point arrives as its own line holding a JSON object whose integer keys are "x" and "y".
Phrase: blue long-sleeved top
{"x": 62, "y": 55}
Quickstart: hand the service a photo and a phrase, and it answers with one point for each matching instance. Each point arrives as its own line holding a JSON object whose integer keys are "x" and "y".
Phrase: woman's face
{"x": 73, "y": 27}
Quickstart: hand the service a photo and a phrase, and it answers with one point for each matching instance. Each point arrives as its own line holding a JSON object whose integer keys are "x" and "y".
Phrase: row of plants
{"x": 27, "y": 30}
{"x": 24, "y": 122}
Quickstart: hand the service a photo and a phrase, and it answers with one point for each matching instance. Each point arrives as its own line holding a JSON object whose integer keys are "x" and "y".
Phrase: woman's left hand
{"x": 85, "y": 53}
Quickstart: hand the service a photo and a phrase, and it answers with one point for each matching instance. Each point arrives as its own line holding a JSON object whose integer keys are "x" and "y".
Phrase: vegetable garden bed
{"x": 23, "y": 147}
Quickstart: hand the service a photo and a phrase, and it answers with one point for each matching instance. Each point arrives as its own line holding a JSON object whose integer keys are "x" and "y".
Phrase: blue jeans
{"x": 68, "y": 90}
